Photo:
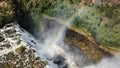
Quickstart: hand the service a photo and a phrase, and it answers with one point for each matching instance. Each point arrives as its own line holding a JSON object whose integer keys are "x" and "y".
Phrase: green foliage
{"x": 62, "y": 9}
{"x": 6, "y": 14}
{"x": 76, "y": 2}
{"x": 112, "y": 12}
{"x": 104, "y": 29}
{"x": 30, "y": 11}
{"x": 25, "y": 10}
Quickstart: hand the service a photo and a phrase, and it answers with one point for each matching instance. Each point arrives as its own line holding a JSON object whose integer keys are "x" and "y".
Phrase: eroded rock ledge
{"x": 82, "y": 41}
{"x": 90, "y": 48}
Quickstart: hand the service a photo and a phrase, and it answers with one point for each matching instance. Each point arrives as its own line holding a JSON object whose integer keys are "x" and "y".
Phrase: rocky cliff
{"x": 16, "y": 49}
{"x": 94, "y": 28}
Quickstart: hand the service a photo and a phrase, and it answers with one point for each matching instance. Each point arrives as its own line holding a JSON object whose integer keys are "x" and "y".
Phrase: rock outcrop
{"x": 89, "y": 47}
{"x": 15, "y": 52}
{"x": 81, "y": 41}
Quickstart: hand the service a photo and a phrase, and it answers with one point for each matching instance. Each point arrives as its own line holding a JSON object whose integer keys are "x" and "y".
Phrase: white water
{"x": 107, "y": 63}
{"x": 53, "y": 46}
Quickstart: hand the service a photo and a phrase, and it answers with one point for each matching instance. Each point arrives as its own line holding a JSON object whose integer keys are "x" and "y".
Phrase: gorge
{"x": 59, "y": 34}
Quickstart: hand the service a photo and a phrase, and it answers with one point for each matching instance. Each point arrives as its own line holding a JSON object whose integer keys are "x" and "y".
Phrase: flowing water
{"x": 58, "y": 54}
{"x": 55, "y": 51}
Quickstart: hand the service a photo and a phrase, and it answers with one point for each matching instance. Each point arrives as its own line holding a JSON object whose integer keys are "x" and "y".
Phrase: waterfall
{"x": 55, "y": 51}
{"x": 58, "y": 54}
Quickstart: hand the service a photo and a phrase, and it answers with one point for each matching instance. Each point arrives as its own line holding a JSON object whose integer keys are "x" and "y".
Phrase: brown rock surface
{"x": 90, "y": 48}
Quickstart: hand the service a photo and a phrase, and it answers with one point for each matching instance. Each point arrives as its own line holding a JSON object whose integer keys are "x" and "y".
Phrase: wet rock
{"x": 1, "y": 48}
{"x": 45, "y": 62}
{"x": 6, "y": 45}
{"x": 2, "y": 38}
{"x": 9, "y": 31}
{"x": 16, "y": 53}
{"x": 9, "y": 25}
{"x": 33, "y": 42}
{"x": 20, "y": 49}
{"x": 22, "y": 30}
{"x": 87, "y": 46}
{"x": 12, "y": 60}
{"x": 59, "y": 60}
{"x": 64, "y": 66}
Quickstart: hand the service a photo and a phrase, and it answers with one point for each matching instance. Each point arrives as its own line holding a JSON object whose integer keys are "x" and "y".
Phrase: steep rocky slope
{"x": 23, "y": 50}
{"x": 94, "y": 31}
{"x": 16, "y": 49}
{"x": 90, "y": 48}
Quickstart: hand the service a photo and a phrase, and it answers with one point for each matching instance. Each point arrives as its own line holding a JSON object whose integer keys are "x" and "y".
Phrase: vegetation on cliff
{"x": 6, "y": 13}
{"x": 102, "y": 22}
{"x": 29, "y": 12}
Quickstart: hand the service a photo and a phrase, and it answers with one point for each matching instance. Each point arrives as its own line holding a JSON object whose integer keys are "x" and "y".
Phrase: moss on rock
{"x": 20, "y": 50}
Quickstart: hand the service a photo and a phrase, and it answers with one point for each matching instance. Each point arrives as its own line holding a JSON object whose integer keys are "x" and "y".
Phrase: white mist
{"x": 107, "y": 63}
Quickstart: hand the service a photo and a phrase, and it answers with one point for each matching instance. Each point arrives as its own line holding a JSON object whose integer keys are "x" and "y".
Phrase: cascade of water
{"x": 58, "y": 54}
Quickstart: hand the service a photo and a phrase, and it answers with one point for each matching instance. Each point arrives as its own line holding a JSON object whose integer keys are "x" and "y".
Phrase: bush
{"x": 6, "y": 13}
{"x": 104, "y": 31}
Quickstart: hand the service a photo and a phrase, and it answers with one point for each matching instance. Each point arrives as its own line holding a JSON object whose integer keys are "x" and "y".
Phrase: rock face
{"x": 89, "y": 48}
{"x": 59, "y": 60}
{"x": 12, "y": 42}
{"x": 16, "y": 52}
{"x": 19, "y": 49}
